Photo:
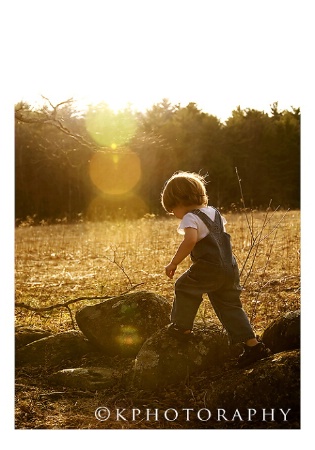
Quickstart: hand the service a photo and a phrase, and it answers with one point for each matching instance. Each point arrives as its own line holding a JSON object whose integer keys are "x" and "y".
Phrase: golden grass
{"x": 57, "y": 263}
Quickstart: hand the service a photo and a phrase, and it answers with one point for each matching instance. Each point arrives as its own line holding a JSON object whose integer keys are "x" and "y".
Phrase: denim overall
{"x": 215, "y": 272}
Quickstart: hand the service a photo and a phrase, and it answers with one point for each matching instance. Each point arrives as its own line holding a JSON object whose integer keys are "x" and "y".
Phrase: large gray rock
{"x": 271, "y": 383}
{"x": 85, "y": 378}
{"x": 164, "y": 360}
{"x": 52, "y": 350}
{"x": 283, "y": 333}
{"x": 120, "y": 325}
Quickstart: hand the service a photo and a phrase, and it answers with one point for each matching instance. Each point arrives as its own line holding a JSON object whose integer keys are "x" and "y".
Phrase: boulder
{"x": 120, "y": 325}
{"x": 271, "y": 383}
{"x": 283, "y": 333}
{"x": 25, "y": 335}
{"x": 85, "y": 378}
{"x": 52, "y": 350}
{"x": 165, "y": 360}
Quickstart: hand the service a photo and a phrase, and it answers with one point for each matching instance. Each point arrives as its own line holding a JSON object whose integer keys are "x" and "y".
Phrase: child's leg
{"x": 200, "y": 278}
{"x": 228, "y": 307}
{"x": 188, "y": 296}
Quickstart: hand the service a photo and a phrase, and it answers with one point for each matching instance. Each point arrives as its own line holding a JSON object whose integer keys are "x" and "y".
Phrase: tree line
{"x": 98, "y": 164}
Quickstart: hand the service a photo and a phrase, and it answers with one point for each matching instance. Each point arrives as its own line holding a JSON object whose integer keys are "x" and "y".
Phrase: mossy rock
{"x": 120, "y": 325}
{"x": 164, "y": 360}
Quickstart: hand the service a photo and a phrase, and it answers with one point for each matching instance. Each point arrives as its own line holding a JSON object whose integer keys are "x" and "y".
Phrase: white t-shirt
{"x": 191, "y": 220}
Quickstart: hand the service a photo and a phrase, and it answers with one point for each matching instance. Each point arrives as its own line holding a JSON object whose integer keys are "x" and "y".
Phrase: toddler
{"x": 214, "y": 269}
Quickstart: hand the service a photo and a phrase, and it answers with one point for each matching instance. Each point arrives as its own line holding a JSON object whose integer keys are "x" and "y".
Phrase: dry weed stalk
{"x": 255, "y": 241}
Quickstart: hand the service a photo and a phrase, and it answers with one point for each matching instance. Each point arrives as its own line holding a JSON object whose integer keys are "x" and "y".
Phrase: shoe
{"x": 252, "y": 354}
{"x": 179, "y": 333}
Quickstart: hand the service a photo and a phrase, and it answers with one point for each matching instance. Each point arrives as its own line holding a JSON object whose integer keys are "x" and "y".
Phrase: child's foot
{"x": 252, "y": 354}
{"x": 180, "y": 333}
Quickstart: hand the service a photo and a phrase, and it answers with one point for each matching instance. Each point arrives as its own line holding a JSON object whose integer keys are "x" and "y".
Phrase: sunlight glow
{"x": 115, "y": 173}
{"x": 128, "y": 337}
{"x": 110, "y": 129}
{"x": 219, "y": 55}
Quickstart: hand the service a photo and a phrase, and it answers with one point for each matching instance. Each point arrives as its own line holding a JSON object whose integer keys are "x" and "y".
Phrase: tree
{"x": 50, "y": 162}
{"x": 56, "y": 145}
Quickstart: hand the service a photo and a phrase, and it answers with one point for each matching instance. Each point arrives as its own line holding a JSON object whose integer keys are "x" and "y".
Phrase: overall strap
{"x": 208, "y": 222}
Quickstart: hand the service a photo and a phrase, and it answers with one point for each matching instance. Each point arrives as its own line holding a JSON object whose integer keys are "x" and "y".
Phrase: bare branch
{"x": 70, "y": 100}
{"x": 120, "y": 266}
{"x": 50, "y": 117}
{"x": 70, "y": 302}
{"x": 243, "y": 201}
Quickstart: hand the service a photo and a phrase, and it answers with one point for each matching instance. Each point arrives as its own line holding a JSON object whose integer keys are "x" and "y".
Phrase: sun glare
{"x": 110, "y": 129}
{"x": 115, "y": 173}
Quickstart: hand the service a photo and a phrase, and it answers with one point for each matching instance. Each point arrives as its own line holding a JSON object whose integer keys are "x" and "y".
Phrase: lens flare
{"x": 115, "y": 173}
{"x": 109, "y": 129}
{"x": 129, "y": 336}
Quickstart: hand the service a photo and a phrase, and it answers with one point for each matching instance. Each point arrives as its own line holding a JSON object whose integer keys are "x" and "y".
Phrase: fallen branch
{"x": 69, "y": 302}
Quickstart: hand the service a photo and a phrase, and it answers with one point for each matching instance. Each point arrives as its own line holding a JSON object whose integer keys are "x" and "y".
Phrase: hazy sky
{"x": 218, "y": 54}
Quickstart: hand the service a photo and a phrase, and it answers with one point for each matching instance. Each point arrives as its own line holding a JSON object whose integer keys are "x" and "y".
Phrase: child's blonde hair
{"x": 184, "y": 188}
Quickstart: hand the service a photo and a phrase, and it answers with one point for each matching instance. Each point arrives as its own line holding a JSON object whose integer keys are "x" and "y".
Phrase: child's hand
{"x": 170, "y": 270}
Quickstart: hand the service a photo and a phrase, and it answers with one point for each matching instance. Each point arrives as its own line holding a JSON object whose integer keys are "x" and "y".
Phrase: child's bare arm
{"x": 183, "y": 251}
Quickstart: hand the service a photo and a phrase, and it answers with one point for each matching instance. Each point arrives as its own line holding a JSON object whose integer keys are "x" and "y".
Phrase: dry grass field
{"x": 94, "y": 261}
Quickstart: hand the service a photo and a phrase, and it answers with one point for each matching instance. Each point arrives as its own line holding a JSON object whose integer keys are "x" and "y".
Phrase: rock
{"x": 283, "y": 333}
{"x": 120, "y": 325}
{"x": 90, "y": 378}
{"x": 25, "y": 335}
{"x": 271, "y": 383}
{"x": 164, "y": 360}
{"x": 54, "y": 349}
